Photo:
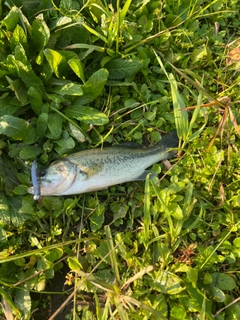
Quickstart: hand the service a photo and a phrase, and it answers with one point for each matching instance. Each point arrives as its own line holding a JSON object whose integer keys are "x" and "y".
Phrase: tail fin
{"x": 170, "y": 141}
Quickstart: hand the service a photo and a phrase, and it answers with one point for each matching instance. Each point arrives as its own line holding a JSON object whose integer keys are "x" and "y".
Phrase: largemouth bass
{"x": 96, "y": 169}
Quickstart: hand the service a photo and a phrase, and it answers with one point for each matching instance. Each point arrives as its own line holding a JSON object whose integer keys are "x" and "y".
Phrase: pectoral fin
{"x": 90, "y": 171}
{"x": 143, "y": 175}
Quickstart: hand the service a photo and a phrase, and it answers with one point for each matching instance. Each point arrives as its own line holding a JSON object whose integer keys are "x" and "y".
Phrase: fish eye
{"x": 42, "y": 173}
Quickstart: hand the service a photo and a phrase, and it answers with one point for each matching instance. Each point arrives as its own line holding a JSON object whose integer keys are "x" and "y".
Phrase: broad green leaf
{"x": 40, "y": 34}
{"x": 42, "y": 124}
{"x": 167, "y": 282}
{"x": 68, "y": 55}
{"x": 45, "y": 264}
{"x": 23, "y": 177}
{"x": 192, "y": 275}
{"x": 200, "y": 300}
{"x": 223, "y": 281}
{"x": 7, "y": 106}
{"x": 76, "y": 133}
{"x": 10, "y": 211}
{"x": 233, "y": 312}
{"x": 24, "y": 69}
{"x": 56, "y": 98}
{"x": 40, "y": 61}
{"x": 207, "y": 278}
{"x": 21, "y": 56}
{"x": 97, "y": 9}
{"x": 178, "y": 312}
{"x": 19, "y": 37}
{"x": 23, "y": 302}
{"x": 54, "y": 254}
{"x": 18, "y": 87}
{"x": 35, "y": 99}
{"x": 77, "y": 67}
{"x": 25, "y": 22}
{"x": 31, "y": 281}
{"x": 86, "y": 114}
{"x": 20, "y": 190}
{"x": 41, "y": 280}
{"x": 96, "y": 219}
{"x": 199, "y": 54}
{"x": 11, "y": 65}
{"x": 57, "y": 62}
{"x": 175, "y": 211}
{"x": 11, "y": 19}
{"x": 64, "y": 144}
{"x": 55, "y": 124}
{"x": 121, "y": 68}
{"x": 29, "y": 77}
{"x": 93, "y": 87}
{"x": 218, "y": 294}
{"x": 32, "y": 136}
{"x": 236, "y": 242}
{"x": 68, "y": 7}
{"x": 119, "y": 210}
{"x": 71, "y": 89}
{"x": 27, "y": 205}
{"x": 74, "y": 264}
{"x": 14, "y": 127}
{"x": 30, "y": 152}
{"x": 59, "y": 22}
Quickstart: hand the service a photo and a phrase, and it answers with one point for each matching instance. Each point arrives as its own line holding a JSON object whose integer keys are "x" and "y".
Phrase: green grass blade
{"x": 144, "y": 306}
{"x": 97, "y": 34}
{"x": 120, "y": 308}
{"x": 124, "y": 11}
{"x": 6, "y": 296}
{"x": 195, "y": 112}
{"x": 103, "y": 314}
{"x": 194, "y": 120}
{"x": 147, "y": 214}
{"x": 167, "y": 214}
{"x": 180, "y": 114}
{"x": 85, "y": 46}
{"x": 112, "y": 255}
{"x": 196, "y": 85}
{"x": 137, "y": 276}
{"x": 188, "y": 201}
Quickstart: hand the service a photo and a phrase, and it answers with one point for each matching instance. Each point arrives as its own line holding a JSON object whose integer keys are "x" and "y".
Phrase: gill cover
{"x": 58, "y": 177}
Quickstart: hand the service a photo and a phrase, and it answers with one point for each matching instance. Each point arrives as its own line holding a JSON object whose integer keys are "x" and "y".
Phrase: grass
{"x": 84, "y": 75}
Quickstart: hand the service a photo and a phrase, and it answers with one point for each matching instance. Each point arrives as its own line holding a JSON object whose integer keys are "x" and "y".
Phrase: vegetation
{"x": 77, "y": 75}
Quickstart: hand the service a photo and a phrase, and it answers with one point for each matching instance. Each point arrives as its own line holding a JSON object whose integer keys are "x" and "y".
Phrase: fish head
{"x": 57, "y": 178}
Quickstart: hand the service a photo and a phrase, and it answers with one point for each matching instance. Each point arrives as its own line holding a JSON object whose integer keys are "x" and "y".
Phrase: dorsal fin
{"x": 130, "y": 144}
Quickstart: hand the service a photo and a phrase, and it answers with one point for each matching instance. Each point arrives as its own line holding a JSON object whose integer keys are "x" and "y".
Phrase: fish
{"x": 97, "y": 169}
